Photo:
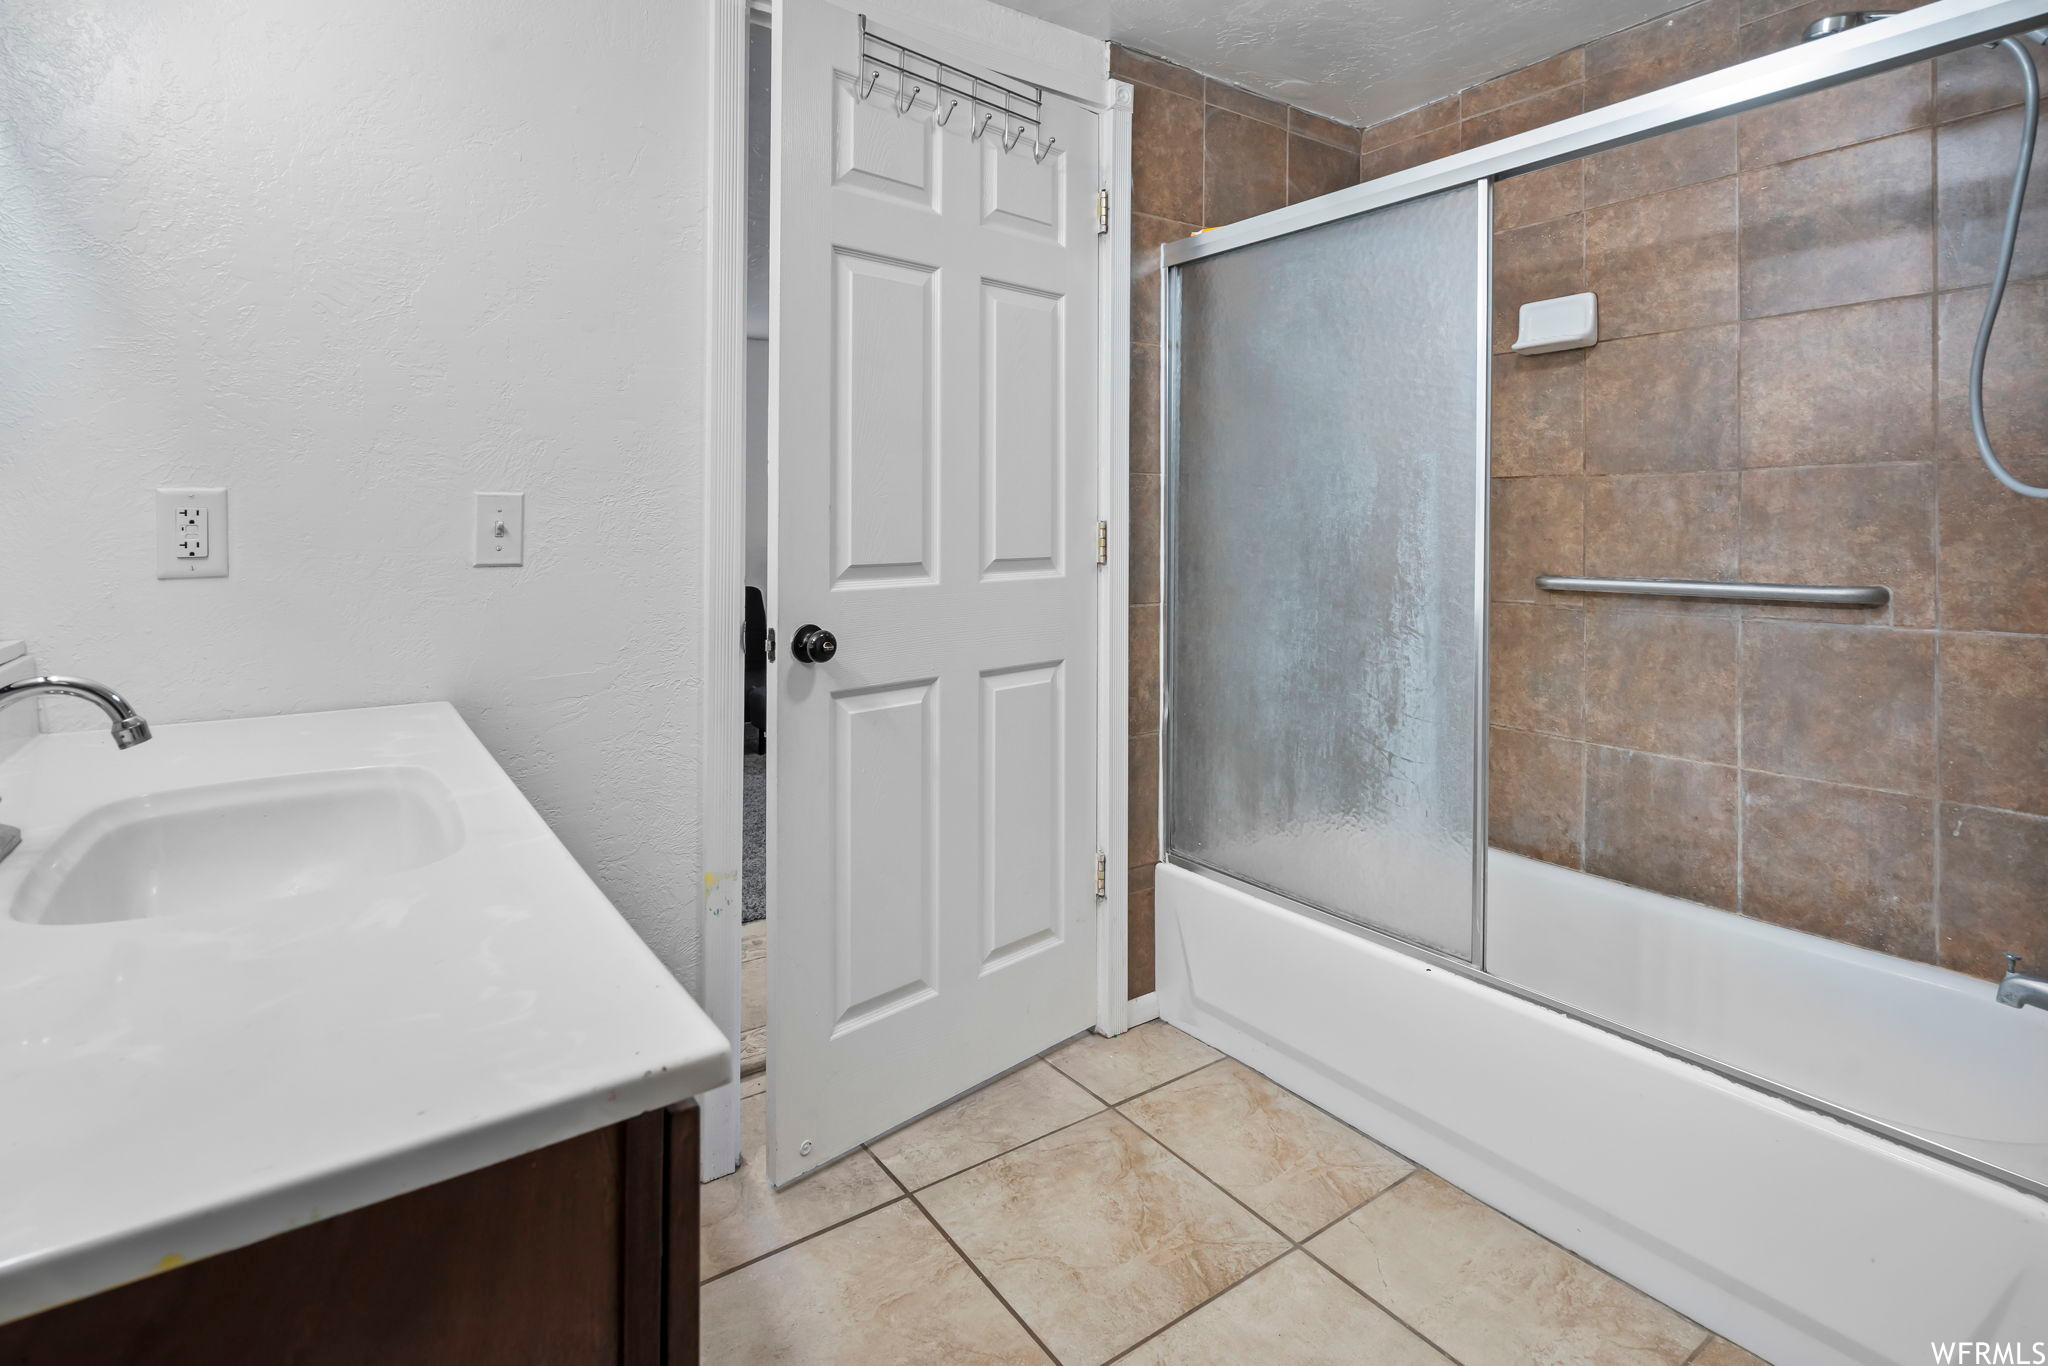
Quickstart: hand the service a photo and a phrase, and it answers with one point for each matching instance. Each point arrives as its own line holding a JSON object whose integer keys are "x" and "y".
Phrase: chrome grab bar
{"x": 1822, "y": 595}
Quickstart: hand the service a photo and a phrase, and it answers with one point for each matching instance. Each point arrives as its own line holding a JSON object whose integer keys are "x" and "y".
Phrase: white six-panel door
{"x": 933, "y": 458}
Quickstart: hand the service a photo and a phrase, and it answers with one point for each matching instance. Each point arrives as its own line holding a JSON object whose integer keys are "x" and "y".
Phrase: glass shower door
{"x": 1326, "y": 543}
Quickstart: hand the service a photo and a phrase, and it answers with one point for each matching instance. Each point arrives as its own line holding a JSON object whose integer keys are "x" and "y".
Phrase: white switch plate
{"x": 500, "y": 529}
{"x": 191, "y": 533}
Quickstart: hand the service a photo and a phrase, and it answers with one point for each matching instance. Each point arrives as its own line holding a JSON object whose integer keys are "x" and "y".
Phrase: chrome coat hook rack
{"x": 987, "y": 98}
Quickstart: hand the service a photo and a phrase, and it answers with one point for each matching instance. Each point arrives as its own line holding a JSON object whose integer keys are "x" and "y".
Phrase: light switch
{"x": 500, "y": 529}
{"x": 191, "y": 533}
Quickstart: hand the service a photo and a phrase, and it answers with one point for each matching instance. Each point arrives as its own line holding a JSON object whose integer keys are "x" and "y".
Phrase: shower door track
{"x": 1900, "y": 40}
{"x": 1805, "y": 1100}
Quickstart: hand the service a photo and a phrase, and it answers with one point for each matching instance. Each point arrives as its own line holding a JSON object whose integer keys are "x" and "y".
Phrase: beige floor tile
{"x": 753, "y": 1051}
{"x": 1007, "y": 1113}
{"x": 753, "y": 997}
{"x": 1099, "y": 1236}
{"x": 743, "y": 1217}
{"x": 1490, "y": 1292}
{"x": 755, "y": 1085}
{"x": 754, "y": 975}
{"x": 1721, "y": 1352}
{"x": 882, "y": 1290}
{"x": 1135, "y": 1060}
{"x": 1291, "y": 1314}
{"x": 1295, "y": 1165}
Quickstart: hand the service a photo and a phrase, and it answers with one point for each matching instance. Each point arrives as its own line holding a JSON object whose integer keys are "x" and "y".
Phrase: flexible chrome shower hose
{"x": 1997, "y": 295}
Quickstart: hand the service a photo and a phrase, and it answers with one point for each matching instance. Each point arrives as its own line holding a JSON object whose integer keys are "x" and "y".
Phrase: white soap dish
{"x": 1558, "y": 324}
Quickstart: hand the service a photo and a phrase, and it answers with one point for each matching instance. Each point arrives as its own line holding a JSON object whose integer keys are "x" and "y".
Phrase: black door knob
{"x": 813, "y": 645}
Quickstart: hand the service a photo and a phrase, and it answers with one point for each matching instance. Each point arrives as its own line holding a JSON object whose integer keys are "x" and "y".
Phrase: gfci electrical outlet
{"x": 500, "y": 529}
{"x": 191, "y": 533}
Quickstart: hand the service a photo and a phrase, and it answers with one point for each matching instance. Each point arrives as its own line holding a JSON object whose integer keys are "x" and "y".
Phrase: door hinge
{"x": 771, "y": 644}
{"x": 1102, "y": 543}
{"x": 1101, "y": 875}
{"x": 1102, "y": 211}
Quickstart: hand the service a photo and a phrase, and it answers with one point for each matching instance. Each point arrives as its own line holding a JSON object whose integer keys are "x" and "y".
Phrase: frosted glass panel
{"x": 1325, "y": 521}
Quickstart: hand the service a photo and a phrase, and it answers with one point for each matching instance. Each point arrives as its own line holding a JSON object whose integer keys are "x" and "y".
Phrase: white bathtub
{"x": 1798, "y": 1236}
{"x": 1915, "y": 1046}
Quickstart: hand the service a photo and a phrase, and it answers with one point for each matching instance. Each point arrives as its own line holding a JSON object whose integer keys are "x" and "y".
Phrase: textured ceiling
{"x": 1356, "y": 60}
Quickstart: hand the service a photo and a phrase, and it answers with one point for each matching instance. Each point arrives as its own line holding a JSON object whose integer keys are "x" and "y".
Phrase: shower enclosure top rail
{"x": 1825, "y": 595}
{"x": 1913, "y": 36}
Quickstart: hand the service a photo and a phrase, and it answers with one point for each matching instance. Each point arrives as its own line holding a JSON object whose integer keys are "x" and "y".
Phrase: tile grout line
{"x": 972, "y": 1265}
{"x": 1106, "y": 1107}
{"x": 1045, "y": 1058}
{"x": 1400, "y": 1180}
{"x": 1420, "y": 1167}
{"x": 794, "y": 1242}
{"x": 1103, "y": 1107}
{"x": 1210, "y": 1179}
{"x": 1934, "y": 404}
{"x": 1182, "y": 1318}
{"x": 1112, "y": 1104}
{"x": 1742, "y": 336}
{"x": 877, "y": 1159}
{"x": 1293, "y": 1244}
{"x": 1353, "y": 1286}
{"x": 1296, "y": 1246}
{"x": 1934, "y": 292}
{"x": 1927, "y": 795}
{"x": 1933, "y": 123}
{"x": 1340, "y": 1120}
{"x": 983, "y": 1162}
{"x": 1137, "y": 1095}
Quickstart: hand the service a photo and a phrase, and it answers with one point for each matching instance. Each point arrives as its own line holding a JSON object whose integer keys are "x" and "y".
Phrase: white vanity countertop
{"x": 178, "y": 1085}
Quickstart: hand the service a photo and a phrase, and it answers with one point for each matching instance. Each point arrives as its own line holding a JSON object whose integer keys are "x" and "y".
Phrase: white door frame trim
{"x": 723, "y": 536}
{"x": 720, "y": 771}
{"x": 1112, "y": 817}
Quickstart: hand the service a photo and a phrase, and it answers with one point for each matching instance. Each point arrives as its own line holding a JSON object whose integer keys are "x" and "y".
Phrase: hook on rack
{"x": 1039, "y": 149}
{"x": 987, "y": 98}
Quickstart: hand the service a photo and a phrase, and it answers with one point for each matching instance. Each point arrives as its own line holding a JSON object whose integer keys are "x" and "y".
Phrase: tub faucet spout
{"x": 2022, "y": 988}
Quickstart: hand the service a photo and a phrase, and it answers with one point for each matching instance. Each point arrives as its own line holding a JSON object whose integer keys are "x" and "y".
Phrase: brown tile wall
{"x": 1203, "y": 154}
{"x": 1787, "y": 304}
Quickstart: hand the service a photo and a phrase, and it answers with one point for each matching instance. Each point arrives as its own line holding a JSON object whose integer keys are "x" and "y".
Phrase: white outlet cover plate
{"x": 215, "y": 564}
{"x": 492, "y": 509}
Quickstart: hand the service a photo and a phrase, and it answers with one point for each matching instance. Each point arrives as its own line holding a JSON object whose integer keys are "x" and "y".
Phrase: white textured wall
{"x": 355, "y": 259}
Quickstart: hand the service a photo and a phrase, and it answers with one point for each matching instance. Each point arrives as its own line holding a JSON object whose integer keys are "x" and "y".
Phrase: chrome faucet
{"x": 129, "y": 729}
{"x": 2022, "y": 988}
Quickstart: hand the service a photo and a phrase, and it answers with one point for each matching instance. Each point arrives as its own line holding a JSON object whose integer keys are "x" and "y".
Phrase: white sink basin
{"x": 229, "y": 844}
{"x": 338, "y": 956}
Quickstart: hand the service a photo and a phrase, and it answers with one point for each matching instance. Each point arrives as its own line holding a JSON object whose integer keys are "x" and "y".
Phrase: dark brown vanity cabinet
{"x": 580, "y": 1254}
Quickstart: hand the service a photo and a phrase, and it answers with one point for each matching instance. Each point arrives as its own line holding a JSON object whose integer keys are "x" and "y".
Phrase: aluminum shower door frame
{"x": 1905, "y": 38}
{"x": 1900, "y": 40}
